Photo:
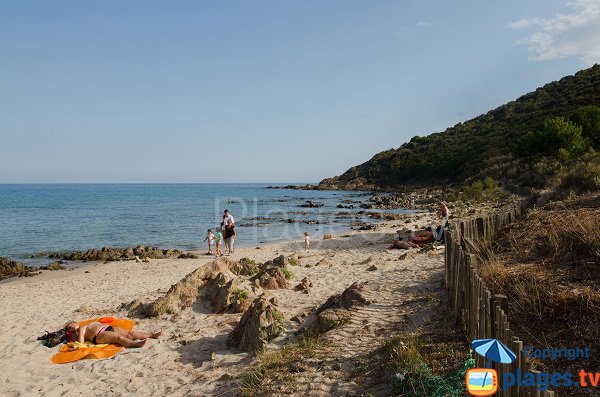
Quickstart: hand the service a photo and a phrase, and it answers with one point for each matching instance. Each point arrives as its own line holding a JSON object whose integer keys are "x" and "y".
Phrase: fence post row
{"x": 482, "y": 314}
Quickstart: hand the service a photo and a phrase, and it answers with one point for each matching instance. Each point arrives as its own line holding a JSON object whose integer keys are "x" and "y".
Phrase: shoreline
{"x": 192, "y": 357}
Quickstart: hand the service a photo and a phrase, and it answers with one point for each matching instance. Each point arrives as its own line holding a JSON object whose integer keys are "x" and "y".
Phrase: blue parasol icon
{"x": 494, "y": 350}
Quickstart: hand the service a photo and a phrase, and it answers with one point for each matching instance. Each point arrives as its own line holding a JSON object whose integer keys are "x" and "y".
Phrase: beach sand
{"x": 192, "y": 359}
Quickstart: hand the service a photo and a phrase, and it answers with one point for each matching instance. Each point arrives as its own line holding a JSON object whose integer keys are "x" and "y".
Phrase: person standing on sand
{"x": 218, "y": 238}
{"x": 226, "y": 218}
{"x": 306, "y": 241}
{"x": 210, "y": 237}
{"x": 229, "y": 236}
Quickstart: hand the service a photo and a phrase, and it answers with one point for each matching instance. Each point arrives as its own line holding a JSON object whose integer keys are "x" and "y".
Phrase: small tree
{"x": 588, "y": 117}
{"x": 558, "y": 138}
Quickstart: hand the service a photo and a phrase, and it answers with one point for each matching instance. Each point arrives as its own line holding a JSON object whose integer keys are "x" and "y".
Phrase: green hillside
{"x": 479, "y": 147}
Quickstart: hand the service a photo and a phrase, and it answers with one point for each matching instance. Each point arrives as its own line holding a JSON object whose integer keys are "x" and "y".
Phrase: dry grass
{"x": 548, "y": 264}
{"x": 276, "y": 371}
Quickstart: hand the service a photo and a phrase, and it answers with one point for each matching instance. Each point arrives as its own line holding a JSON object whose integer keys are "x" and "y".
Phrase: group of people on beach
{"x": 225, "y": 231}
{"x": 428, "y": 235}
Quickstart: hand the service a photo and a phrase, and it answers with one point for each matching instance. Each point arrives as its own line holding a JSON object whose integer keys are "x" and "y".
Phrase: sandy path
{"x": 192, "y": 359}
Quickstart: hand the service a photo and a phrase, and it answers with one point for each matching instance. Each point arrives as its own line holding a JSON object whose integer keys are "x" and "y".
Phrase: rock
{"x": 298, "y": 318}
{"x": 326, "y": 321}
{"x": 403, "y": 256}
{"x": 117, "y": 254}
{"x": 181, "y": 294}
{"x": 10, "y": 268}
{"x": 334, "y": 312}
{"x": 281, "y": 261}
{"x": 350, "y": 297}
{"x": 219, "y": 291}
{"x": 273, "y": 278}
{"x": 323, "y": 262}
{"x": 244, "y": 267}
{"x": 327, "y": 236}
{"x": 372, "y": 268}
{"x": 311, "y": 204}
{"x": 146, "y": 260}
{"x": 260, "y": 324}
{"x": 304, "y": 286}
{"x": 273, "y": 274}
{"x": 53, "y": 266}
{"x": 369, "y": 226}
{"x": 188, "y": 255}
{"x": 84, "y": 309}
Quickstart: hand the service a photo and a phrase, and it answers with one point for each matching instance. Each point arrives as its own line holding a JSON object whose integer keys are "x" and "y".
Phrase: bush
{"x": 558, "y": 138}
{"x": 588, "y": 117}
{"x": 584, "y": 176}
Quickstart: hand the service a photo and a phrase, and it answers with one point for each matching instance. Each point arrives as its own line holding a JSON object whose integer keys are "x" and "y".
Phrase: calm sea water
{"x": 42, "y": 218}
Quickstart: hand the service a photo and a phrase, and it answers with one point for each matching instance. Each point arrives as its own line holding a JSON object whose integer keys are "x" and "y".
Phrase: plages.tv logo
{"x": 484, "y": 381}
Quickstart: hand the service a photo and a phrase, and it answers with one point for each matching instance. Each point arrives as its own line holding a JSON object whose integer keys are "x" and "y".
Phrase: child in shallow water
{"x": 98, "y": 333}
{"x": 210, "y": 237}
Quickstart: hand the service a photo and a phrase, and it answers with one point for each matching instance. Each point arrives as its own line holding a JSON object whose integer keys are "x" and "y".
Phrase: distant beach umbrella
{"x": 494, "y": 350}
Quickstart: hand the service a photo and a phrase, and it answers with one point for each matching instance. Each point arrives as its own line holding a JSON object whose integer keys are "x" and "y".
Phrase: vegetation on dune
{"x": 408, "y": 358}
{"x": 548, "y": 265}
{"x": 558, "y": 122}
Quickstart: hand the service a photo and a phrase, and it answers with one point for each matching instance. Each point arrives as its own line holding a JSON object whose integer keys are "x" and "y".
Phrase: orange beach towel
{"x": 68, "y": 354}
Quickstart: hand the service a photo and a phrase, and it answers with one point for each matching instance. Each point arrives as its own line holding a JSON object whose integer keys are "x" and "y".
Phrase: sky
{"x": 261, "y": 91}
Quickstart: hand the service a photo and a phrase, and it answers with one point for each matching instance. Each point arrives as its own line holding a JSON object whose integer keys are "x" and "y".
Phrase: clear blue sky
{"x": 261, "y": 91}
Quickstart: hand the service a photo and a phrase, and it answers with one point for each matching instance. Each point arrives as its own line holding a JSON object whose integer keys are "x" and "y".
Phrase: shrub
{"x": 558, "y": 138}
{"x": 588, "y": 117}
{"x": 287, "y": 273}
{"x": 584, "y": 176}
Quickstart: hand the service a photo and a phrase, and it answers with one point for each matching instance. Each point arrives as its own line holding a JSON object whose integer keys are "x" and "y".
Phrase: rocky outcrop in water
{"x": 311, "y": 204}
{"x": 10, "y": 268}
{"x": 121, "y": 254}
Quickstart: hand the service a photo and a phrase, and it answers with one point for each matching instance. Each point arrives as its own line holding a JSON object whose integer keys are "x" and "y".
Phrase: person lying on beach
{"x": 99, "y": 333}
{"x": 400, "y": 243}
{"x": 422, "y": 236}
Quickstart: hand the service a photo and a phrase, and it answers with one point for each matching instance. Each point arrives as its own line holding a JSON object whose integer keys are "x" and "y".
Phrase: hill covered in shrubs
{"x": 549, "y": 137}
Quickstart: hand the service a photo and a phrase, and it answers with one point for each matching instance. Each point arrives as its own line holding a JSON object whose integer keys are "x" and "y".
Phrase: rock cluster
{"x": 121, "y": 254}
{"x": 53, "y": 266}
{"x": 10, "y": 268}
{"x": 311, "y": 204}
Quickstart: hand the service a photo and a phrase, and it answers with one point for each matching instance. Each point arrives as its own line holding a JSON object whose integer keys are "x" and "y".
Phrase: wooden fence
{"x": 484, "y": 315}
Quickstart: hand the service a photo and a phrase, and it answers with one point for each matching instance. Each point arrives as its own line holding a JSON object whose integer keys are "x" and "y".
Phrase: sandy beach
{"x": 192, "y": 359}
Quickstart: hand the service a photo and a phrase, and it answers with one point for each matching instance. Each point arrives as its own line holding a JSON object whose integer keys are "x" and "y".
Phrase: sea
{"x": 41, "y": 218}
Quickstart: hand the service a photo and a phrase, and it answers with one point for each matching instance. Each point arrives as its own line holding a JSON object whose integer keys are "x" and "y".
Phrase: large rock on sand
{"x": 244, "y": 267}
{"x": 260, "y": 324}
{"x": 181, "y": 294}
{"x": 334, "y": 312}
{"x": 224, "y": 294}
{"x": 273, "y": 278}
